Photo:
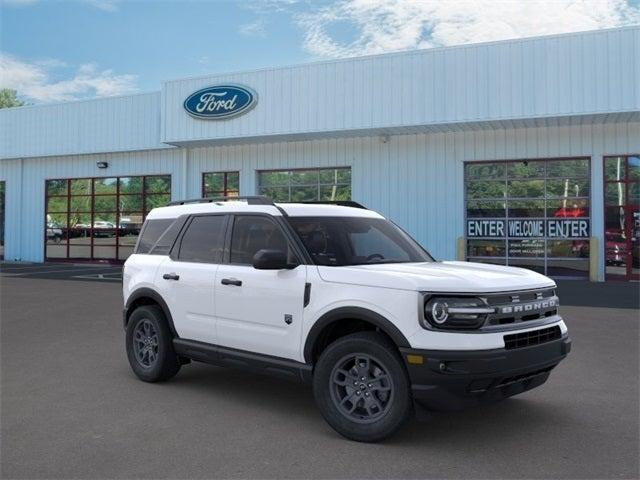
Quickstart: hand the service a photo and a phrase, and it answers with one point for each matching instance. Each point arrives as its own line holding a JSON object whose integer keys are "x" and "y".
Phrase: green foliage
{"x": 9, "y": 98}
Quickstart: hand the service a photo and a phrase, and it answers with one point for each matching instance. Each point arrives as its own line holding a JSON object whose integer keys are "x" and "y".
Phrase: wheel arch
{"x": 329, "y": 320}
{"x": 147, "y": 296}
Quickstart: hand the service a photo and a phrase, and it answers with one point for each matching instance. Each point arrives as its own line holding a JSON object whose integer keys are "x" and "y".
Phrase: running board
{"x": 254, "y": 362}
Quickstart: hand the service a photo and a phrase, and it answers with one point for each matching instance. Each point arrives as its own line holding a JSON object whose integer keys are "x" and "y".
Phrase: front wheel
{"x": 361, "y": 387}
{"x": 150, "y": 345}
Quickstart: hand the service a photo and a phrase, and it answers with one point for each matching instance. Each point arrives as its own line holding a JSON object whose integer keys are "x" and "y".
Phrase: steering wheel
{"x": 373, "y": 256}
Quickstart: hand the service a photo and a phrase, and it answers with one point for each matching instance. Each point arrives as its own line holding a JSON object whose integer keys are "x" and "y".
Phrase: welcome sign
{"x": 528, "y": 228}
{"x": 220, "y": 102}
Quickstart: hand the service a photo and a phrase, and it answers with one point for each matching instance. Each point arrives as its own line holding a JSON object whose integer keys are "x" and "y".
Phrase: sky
{"x": 61, "y": 50}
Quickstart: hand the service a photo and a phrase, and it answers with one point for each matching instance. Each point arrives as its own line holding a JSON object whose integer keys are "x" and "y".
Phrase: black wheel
{"x": 149, "y": 345}
{"x": 362, "y": 388}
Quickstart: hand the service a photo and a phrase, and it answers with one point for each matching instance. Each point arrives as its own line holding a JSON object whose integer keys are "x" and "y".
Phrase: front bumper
{"x": 451, "y": 380}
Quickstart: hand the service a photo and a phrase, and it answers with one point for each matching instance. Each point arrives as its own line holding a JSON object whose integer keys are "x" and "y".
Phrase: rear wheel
{"x": 150, "y": 346}
{"x": 361, "y": 387}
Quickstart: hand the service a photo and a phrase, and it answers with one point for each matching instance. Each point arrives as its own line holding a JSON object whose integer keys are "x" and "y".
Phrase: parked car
{"x": 339, "y": 296}
{"x": 129, "y": 226}
{"x": 53, "y": 233}
{"x": 103, "y": 228}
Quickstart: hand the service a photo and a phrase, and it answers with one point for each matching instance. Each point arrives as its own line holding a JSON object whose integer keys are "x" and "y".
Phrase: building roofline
{"x": 417, "y": 51}
{"x": 82, "y": 100}
{"x": 334, "y": 61}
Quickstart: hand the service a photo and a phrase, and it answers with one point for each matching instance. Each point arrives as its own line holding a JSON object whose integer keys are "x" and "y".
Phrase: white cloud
{"x": 104, "y": 5}
{"x": 33, "y": 80}
{"x": 389, "y": 25}
{"x": 253, "y": 29}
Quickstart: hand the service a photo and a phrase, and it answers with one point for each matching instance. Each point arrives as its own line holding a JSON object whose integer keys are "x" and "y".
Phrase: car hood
{"x": 456, "y": 277}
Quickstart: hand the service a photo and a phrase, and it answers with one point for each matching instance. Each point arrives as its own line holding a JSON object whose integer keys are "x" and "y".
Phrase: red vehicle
{"x": 615, "y": 247}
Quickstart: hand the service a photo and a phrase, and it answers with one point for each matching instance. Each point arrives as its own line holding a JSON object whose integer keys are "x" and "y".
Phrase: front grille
{"x": 534, "y": 337}
{"x": 516, "y": 307}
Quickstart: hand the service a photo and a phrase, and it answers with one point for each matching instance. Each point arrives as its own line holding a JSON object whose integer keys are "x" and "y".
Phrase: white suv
{"x": 339, "y": 296}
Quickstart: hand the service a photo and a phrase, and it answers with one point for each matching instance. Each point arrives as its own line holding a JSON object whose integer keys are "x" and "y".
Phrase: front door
{"x": 187, "y": 281}
{"x": 622, "y": 217}
{"x": 259, "y": 310}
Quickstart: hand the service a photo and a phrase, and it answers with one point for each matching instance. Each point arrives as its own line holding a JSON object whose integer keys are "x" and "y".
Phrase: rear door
{"x": 260, "y": 310}
{"x": 187, "y": 277}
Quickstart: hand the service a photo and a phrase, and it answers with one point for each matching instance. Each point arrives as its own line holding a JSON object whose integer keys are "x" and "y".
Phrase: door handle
{"x": 171, "y": 276}
{"x": 231, "y": 281}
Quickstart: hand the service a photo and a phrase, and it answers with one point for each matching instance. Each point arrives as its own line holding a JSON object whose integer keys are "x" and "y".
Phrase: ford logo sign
{"x": 220, "y": 102}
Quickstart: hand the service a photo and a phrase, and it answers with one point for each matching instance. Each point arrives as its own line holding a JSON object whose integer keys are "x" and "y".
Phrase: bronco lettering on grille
{"x": 529, "y": 307}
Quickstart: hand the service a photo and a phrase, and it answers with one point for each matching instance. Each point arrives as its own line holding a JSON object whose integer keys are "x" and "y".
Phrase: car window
{"x": 340, "y": 241}
{"x": 167, "y": 239}
{"x": 203, "y": 240}
{"x": 376, "y": 244}
{"x": 151, "y": 232}
{"x": 253, "y": 233}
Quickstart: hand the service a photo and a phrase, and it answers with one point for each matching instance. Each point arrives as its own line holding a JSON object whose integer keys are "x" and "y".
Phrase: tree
{"x": 9, "y": 98}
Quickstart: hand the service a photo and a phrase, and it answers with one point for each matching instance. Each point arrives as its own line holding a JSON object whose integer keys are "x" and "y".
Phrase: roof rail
{"x": 251, "y": 200}
{"x": 342, "y": 203}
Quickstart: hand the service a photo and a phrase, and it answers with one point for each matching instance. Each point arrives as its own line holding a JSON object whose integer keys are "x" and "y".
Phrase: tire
{"x": 149, "y": 345}
{"x": 383, "y": 404}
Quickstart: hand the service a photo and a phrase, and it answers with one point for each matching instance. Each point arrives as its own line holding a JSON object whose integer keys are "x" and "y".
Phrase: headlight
{"x": 455, "y": 312}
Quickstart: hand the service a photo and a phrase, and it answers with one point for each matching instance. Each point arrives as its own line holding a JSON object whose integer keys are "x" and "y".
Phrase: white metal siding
{"x": 417, "y": 180}
{"x": 25, "y": 197}
{"x": 564, "y": 75}
{"x": 101, "y": 125}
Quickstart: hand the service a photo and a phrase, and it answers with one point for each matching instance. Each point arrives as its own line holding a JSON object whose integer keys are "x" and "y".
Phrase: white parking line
{"x": 99, "y": 276}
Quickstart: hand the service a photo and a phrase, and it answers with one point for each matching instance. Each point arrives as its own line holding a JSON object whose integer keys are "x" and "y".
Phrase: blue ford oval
{"x": 220, "y": 102}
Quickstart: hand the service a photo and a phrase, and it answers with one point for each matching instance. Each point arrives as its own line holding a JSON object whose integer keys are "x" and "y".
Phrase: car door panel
{"x": 190, "y": 298}
{"x": 259, "y": 310}
{"x": 188, "y": 277}
{"x": 264, "y": 314}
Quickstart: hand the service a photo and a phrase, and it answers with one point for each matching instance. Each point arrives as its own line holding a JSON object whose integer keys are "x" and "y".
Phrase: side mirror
{"x": 271, "y": 260}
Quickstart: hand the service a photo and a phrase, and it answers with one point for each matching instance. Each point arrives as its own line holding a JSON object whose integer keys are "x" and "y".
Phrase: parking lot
{"x": 70, "y": 407}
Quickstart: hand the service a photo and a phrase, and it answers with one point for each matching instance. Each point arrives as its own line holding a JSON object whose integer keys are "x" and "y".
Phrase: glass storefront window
{"x": 530, "y": 213}
{"x": 485, "y": 171}
{"x": 525, "y": 188}
{"x": 486, "y": 248}
{"x": 622, "y": 217}
{"x": 486, "y": 189}
{"x": 221, "y": 184}
{"x": 615, "y": 193}
{"x": 526, "y": 169}
{"x": 306, "y": 185}
{"x": 99, "y": 218}
{"x": 567, "y": 187}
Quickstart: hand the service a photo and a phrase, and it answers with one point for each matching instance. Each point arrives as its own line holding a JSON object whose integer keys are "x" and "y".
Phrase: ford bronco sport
{"x": 339, "y": 296}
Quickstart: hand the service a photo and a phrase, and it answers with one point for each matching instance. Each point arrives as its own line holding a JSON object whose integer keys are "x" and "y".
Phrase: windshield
{"x": 340, "y": 241}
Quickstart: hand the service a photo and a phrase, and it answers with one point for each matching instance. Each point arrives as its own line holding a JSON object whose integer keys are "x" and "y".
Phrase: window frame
{"x": 545, "y": 258}
{"x": 174, "y": 252}
{"x": 271, "y": 218}
{"x": 289, "y": 186}
{"x": 91, "y": 212}
{"x": 626, "y": 181}
{"x": 225, "y": 191}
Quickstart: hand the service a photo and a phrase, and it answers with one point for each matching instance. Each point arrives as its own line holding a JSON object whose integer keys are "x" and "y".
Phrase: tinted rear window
{"x": 204, "y": 239}
{"x": 151, "y": 233}
{"x": 168, "y": 238}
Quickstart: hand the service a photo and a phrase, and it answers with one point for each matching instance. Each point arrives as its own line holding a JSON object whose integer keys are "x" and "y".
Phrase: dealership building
{"x": 523, "y": 152}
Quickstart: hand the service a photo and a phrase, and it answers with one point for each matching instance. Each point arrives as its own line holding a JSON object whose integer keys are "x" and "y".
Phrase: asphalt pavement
{"x": 71, "y": 408}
